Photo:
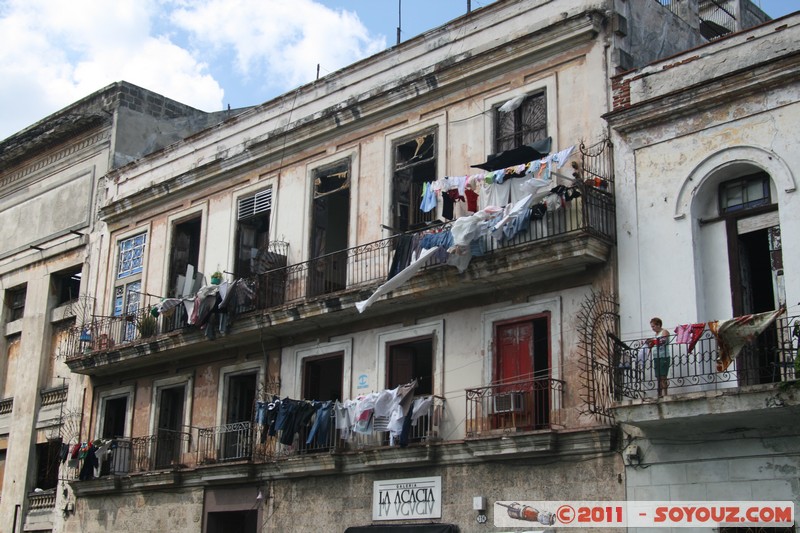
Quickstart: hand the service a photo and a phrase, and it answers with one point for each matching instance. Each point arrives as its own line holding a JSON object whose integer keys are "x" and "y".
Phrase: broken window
{"x": 252, "y": 232}
{"x": 524, "y": 125}
{"x": 15, "y": 302}
{"x": 185, "y": 253}
{"x": 67, "y": 285}
{"x": 414, "y": 163}
{"x": 330, "y": 228}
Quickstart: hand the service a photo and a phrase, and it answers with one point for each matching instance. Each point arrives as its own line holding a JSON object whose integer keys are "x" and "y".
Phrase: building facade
{"x": 49, "y": 178}
{"x": 246, "y": 278}
{"x": 708, "y": 202}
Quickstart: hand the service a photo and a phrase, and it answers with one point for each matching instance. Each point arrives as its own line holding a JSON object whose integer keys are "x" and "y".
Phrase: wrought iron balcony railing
{"x": 637, "y": 368}
{"x": 360, "y": 267}
{"x": 161, "y": 451}
{"x": 247, "y": 441}
{"x": 523, "y": 405}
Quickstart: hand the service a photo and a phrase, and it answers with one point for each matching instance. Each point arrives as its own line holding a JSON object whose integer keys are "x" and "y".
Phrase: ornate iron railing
{"x": 524, "y": 405}
{"x": 161, "y": 451}
{"x": 229, "y": 442}
{"x": 637, "y": 368}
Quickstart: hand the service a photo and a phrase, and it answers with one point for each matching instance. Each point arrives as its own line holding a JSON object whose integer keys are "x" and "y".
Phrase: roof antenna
{"x": 399, "y": 18}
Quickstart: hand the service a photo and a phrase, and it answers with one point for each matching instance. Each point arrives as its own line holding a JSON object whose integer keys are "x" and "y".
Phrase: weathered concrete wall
{"x": 334, "y": 503}
{"x": 178, "y": 511}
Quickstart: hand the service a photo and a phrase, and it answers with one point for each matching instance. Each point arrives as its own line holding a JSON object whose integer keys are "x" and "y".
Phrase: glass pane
{"x": 131, "y": 256}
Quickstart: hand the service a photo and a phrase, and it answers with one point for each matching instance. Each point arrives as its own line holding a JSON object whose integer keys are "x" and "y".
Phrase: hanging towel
{"x": 689, "y": 334}
{"x": 732, "y": 335}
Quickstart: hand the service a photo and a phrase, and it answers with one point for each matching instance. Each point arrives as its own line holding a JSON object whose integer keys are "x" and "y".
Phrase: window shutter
{"x": 254, "y": 205}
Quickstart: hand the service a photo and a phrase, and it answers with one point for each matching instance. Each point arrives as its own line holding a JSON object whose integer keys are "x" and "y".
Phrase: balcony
{"x": 518, "y": 406}
{"x": 745, "y": 393}
{"x": 322, "y": 292}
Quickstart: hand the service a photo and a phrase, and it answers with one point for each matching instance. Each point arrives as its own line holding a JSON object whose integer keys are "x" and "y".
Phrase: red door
{"x": 521, "y": 398}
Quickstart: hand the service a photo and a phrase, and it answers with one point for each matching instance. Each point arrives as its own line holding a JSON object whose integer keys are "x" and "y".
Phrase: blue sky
{"x": 205, "y": 53}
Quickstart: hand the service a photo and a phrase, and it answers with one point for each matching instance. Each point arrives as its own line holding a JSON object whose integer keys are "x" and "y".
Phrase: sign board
{"x": 407, "y": 499}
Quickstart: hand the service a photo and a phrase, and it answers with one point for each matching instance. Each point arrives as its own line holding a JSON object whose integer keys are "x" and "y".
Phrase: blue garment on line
{"x": 322, "y": 423}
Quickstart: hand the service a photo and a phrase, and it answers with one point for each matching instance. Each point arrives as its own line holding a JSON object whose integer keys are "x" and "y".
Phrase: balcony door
{"x": 521, "y": 373}
{"x": 756, "y": 267}
{"x": 170, "y": 424}
{"x": 235, "y": 440}
{"x": 329, "y": 229}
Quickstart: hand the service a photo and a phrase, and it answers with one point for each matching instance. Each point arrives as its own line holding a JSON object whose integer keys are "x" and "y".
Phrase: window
{"x": 411, "y": 360}
{"x": 12, "y": 359}
{"x": 185, "y": 252}
{"x": 322, "y": 377}
{"x": 47, "y": 463}
{"x": 414, "y": 164}
{"x": 252, "y": 231}
{"x": 128, "y": 286}
{"x": 524, "y": 125}
{"x": 744, "y": 193}
{"x": 169, "y": 430}
{"x": 67, "y": 285}
{"x": 15, "y": 301}
{"x": 113, "y": 412}
{"x": 330, "y": 228}
{"x": 2, "y": 467}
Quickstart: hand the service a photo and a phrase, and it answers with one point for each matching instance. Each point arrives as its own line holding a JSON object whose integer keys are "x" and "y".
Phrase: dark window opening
{"x": 114, "y": 417}
{"x": 241, "y": 397}
{"x": 322, "y": 378}
{"x": 414, "y": 165}
{"x": 15, "y": 301}
{"x": 229, "y": 521}
{"x": 744, "y": 193}
{"x": 252, "y": 232}
{"x": 47, "y": 463}
{"x": 235, "y": 443}
{"x": 330, "y": 229}
{"x": 412, "y": 360}
{"x": 524, "y": 125}
{"x": 185, "y": 251}
{"x": 170, "y": 424}
{"x": 67, "y": 285}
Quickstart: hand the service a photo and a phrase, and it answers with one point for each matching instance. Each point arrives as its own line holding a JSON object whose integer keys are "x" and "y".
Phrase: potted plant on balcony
{"x": 147, "y": 325}
{"x": 216, "y": 278}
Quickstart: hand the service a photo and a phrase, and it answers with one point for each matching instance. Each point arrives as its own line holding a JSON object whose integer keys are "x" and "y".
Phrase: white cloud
{"x": 278, "y": 41}
{"x": 53, "y": 53}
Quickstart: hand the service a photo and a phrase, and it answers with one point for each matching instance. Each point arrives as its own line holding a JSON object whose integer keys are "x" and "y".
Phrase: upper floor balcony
{"x": 570, "y": 231}
{"x": 732, "y": 378}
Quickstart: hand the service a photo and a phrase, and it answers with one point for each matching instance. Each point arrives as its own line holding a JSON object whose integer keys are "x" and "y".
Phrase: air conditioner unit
{"x": 508, "y": 402}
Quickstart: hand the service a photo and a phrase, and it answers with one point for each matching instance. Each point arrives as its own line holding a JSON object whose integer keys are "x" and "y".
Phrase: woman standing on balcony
{"x": 660, "y": 354}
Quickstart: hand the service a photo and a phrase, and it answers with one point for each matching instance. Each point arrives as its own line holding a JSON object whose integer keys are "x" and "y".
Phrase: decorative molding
{"x": 43, "y": 162}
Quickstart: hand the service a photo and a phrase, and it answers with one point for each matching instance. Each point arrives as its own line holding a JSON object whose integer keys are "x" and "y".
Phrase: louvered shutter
{"x": 254, "y": 205}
